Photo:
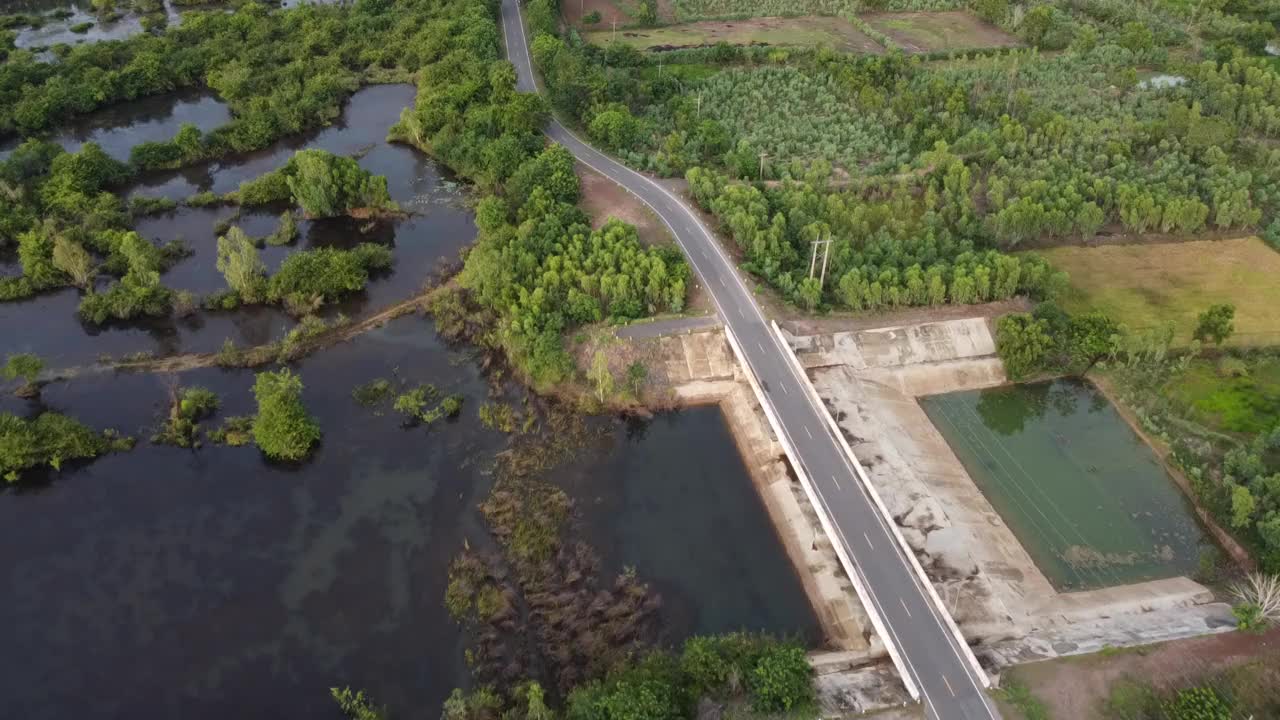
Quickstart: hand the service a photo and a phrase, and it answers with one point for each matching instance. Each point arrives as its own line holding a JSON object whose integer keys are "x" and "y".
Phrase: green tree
{"x": 282, "y": 428}
{"x": 600, "y": 375}
{"x": 239, "y": 263}
{"x": 1023, "y": 343}
{"x": 637, "y": 374}
{"x": 326, "y": 185}
{"x": 1216, "y": 324}
{"x": 1090, "y": 338}
{"x": 1243, "y": 505}
{"x": 70, "y": 258}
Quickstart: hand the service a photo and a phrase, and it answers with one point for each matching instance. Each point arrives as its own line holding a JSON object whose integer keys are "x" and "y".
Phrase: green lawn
{"x": 1245, "y": 403}
{"x": 1145, "y": 286}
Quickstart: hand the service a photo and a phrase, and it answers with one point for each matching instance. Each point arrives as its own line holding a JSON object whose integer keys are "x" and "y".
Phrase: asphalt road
{"x": 949, "y": 687}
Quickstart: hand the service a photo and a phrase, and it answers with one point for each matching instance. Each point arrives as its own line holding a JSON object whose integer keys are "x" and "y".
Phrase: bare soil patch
{"x": 832, "y": 32}
{"x": 1075, "y": 688}
{"x": 623, "y": 12}
{"x": 922, "y": 32}
{"x": 602, "y": 199}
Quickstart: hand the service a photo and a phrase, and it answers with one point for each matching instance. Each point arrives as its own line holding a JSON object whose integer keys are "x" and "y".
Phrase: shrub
{"x": 49, "y": 440}
{"x": 325, "y": 185}
{"x": 327, "y": 273}
{"x": 372, "y": 392}
{"x": 282, "y": 428}
{"x": 782, "y": 680}
{"x": 24, "y": 366}
{"x": 189, "y": 406}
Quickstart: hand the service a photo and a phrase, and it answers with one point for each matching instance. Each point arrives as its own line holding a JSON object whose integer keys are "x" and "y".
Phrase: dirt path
{"x": 257, "y": 355}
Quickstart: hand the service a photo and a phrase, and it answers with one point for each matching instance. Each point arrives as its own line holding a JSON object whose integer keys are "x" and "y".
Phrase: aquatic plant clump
{"x": 283, "y": 429}
{"x": 49, "y": 440}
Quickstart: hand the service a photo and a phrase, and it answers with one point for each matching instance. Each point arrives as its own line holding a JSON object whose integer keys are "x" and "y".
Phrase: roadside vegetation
{"x": 1218, "y": 677}
{"x": 537, "y": 268}
{"x": 913, "y": 168}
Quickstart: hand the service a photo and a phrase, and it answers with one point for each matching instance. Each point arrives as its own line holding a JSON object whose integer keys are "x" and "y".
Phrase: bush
{"x": 325, "y": 185}
{"x": 282, "y": 428}
{"x": 327, "y": 273}
{"x": 189, "y": 406}
{"x": 24, "y": 366}
{"x": 49, "y": 440}
{"x": 782, "y": 680}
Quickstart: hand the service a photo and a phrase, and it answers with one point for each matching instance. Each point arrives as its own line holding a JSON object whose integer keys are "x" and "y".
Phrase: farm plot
{"x": 689, "y": 10}
{"x": 831, "y": 32}
{"x": 922, "y": 32}
{"x": 790, "y": 114}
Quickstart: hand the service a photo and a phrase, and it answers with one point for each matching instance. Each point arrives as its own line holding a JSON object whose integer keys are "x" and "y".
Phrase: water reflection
{"x": 209, "y": 584}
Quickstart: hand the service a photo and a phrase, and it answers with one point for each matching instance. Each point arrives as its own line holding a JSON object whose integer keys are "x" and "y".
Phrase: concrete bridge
{"x": 935, "y": 663}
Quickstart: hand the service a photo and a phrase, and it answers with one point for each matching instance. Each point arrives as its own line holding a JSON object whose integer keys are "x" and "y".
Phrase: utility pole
{"x": 762, "y": 157}
{"x": 699, "y": 105}
{"x": 813, "y": 260}
{"x": 614, "y": 37}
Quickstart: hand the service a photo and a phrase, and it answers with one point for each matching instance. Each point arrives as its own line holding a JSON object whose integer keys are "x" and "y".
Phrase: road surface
{"x": 949, "y": 686}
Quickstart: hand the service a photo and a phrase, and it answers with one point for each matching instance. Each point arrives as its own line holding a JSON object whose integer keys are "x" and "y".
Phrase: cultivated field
{"x": 919, "y": 32}
{"x": 832, "y": 32}
{"x": 1144, "y": 286}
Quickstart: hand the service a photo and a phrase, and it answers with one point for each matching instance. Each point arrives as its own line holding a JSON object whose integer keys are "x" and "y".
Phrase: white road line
{"x": 868, "y": 538}
{"x": 948, "y": 682}
{"x": 806, "y": 432}
{"x": 760, "y": 346}
{"x": 785, "y": 391}
{"x": 904, "y": 606}
{"x": 837, "y": 482}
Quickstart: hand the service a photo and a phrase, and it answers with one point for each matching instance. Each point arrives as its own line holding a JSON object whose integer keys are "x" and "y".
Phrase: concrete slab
{"x": 870, "y": 381}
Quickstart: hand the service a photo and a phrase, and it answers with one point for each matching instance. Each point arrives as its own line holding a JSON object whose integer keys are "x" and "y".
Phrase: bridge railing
{"x": 828, "y": 527}
{"x": 939, "y": 607}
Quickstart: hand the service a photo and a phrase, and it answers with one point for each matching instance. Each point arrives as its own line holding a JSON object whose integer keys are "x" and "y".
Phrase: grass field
{"x": 788, "y": 32}
{"x": 920, "y": 32}
{"x": 1246, "y": 401}
{"x": 1145, "y": 286}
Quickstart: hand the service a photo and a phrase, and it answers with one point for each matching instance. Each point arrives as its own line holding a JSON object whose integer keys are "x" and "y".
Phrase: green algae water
{"x": 1083, "y": 493}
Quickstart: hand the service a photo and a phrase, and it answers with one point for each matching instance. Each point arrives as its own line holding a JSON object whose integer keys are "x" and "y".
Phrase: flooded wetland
{"x": 211, "y": 583}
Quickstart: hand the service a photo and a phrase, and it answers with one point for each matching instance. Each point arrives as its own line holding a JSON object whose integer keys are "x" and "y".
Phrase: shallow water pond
{"x": 1080, "y": 489}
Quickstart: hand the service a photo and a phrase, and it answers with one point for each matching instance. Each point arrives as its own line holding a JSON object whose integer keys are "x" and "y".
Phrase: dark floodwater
{"x": 673, "y": 499}
{"x": 1083, "y": 493}
{"x": 209, "y": 584}
{"x": 438, "y": 227}
{"x": 55, "y": 31}
{"x": 118, "y": 128}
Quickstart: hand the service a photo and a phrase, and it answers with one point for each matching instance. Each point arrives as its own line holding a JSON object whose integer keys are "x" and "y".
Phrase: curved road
{"x": 929, "y": 651}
